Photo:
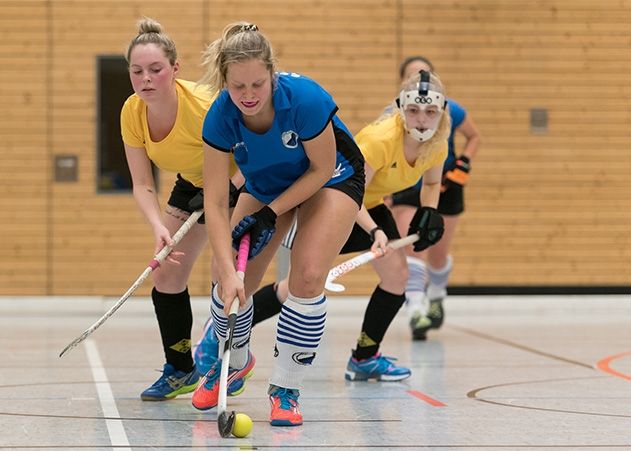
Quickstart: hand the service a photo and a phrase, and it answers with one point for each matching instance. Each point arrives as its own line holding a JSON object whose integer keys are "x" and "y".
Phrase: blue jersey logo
{"x": 290, "y": 139}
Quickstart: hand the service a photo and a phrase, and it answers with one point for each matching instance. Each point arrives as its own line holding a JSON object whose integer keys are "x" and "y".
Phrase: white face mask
{"x": 432, "y": 100}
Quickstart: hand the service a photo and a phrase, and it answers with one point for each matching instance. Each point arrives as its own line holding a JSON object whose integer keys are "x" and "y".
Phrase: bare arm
{"x": 365, "y": 221}
{"x": 430, "y": 191}
{"x": 216, "y": 176}
{"x": 469, "y": 130}
{"x": 363, "y": 217}
{"x": 146, "y": 196}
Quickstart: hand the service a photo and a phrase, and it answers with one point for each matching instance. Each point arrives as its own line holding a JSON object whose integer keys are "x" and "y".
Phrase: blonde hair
{"x": 150, "y": 32}
{"x": 239, "y": 41}
{"x": 435, "y": 84}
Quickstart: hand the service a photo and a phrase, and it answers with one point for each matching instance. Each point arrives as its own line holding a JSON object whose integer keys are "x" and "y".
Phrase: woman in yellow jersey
{"x": 404, "y": 144}
{"x": 162, "y": 123}
{"x": 430, "y": 270}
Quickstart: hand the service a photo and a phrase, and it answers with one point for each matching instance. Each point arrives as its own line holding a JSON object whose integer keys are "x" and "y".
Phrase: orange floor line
{"x": 605, "y": 365}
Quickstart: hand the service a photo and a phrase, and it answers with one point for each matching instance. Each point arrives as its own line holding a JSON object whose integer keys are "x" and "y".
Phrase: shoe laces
{"x": 383, "y": 362}
{"x": 286, "y": 396}
{"x": 169, "y": 376}
{"x": 434, "y": 310}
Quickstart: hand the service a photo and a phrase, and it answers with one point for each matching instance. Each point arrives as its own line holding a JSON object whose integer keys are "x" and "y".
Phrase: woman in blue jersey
{"x": 435, "y": 263}
{"x": 296, "y": 156}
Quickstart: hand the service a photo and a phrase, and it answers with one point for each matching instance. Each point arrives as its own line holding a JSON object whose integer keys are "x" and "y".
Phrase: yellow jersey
{"x": 181, "y": 150}
{"x": 381, "y": 143}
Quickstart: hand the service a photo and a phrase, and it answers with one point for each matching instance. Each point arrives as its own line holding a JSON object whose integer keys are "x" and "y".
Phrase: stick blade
{"x": 73, "y": 344}
{"x": 225, "y": 423}
{"x": 334, "y": 287}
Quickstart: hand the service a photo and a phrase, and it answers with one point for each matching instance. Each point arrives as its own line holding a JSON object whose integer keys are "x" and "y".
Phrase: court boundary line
{"x": 115, "y": 428}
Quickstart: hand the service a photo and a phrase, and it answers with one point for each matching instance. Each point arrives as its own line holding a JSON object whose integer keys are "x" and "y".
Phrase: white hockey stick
{"x": 362, "y": 259}
{"x": 153, "y": 264}
{"x": 225, "y": 421}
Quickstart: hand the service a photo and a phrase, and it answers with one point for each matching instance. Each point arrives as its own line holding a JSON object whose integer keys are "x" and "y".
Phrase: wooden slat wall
{"x": 24, "y": 153}
{"x": 541, "y": 209}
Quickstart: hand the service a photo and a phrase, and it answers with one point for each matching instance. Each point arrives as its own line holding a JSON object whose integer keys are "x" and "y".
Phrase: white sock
{"x": 438, "y": 279}
{"x": 415, "y": 288}
{"x": 300, "y": 328}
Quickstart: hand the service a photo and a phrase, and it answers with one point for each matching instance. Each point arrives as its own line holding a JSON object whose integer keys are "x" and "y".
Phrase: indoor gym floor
{"x": 503, "y": 373}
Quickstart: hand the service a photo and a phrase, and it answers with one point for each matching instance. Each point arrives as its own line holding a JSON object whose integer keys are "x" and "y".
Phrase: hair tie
{"x": 248, "y": 27}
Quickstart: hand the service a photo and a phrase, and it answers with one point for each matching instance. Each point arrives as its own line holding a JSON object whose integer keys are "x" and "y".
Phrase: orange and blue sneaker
{"x": 206, "y": 395}
{"x": 285, "y": 410}
{"x": 376, "y": 367}
{"x": 172, "y": 383}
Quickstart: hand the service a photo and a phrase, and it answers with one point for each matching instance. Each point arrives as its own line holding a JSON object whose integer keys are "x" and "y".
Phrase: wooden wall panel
{"x": 544, "y": 209}
{"x": 24, "y": 151}
{"x": 101, "y": 242}
{"x": 541, "y": 209}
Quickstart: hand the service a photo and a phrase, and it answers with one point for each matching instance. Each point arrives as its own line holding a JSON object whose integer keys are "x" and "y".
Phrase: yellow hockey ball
{"x": 242, "y": 425}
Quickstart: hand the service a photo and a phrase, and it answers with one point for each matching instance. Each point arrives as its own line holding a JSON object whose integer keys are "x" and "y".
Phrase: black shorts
{"x": 353, "y": 187}
{"x": 183, "y": 191}
{"x": 359, "y": 240}
{"x": 451, "y": 202}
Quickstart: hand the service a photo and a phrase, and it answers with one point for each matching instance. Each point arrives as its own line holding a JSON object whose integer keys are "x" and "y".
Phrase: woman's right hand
{"x": 163, "y": 238}
{"x": 231, "y": 287}
{"x": 380, "y": 245}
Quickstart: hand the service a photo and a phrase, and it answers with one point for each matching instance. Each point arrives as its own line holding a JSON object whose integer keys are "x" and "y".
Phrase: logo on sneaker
{"x": 303, "y": 358}
{"x": 182, "y": 346}
{"x": 241, "y": 344}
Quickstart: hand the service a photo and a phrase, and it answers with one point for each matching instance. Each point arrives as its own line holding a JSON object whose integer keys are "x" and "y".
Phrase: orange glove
{"x": 459, "y": 173}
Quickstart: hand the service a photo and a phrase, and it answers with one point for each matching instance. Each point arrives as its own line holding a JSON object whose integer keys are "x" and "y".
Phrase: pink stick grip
{"x": 244, "y": 250}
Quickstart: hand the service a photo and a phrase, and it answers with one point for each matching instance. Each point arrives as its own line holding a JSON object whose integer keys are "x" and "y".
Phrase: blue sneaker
{"x": 207, "y": 348}
{"x": 171, "y": 383}
{"x": 376, "y": 367}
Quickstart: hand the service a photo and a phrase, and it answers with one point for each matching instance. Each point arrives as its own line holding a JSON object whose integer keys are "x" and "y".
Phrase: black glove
{"x": 458, "y": 173}
{"x": 261, "y": 226}
{"x": 429, "y": 225}
{"x": 197, "y": 203}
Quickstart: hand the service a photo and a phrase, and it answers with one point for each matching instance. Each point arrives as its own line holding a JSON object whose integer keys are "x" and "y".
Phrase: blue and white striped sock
{"x": 243, "y": 327}
{"x": 300, "y": 328}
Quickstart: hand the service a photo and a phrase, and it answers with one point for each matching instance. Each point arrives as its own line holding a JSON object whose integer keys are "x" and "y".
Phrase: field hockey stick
{"x": 225, "y": 421}
{"x": 362, "y": 259}
{"x": 153, "y": 264}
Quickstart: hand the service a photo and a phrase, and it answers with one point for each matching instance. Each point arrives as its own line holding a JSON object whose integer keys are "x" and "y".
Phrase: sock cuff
{"x": 445, "y": 269}
{"x": 319, "y": 299}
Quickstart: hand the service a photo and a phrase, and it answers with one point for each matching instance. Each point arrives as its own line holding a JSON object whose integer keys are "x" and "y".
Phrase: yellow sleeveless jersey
{"x": 381, "y": 143}
{"x": 181, "y": 150}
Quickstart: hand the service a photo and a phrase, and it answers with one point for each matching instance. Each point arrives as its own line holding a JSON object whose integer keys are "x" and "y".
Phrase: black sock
{"x": 266, "y": 303}
{"x": 175, "y": 319}
{"x": 381, "y": 310}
